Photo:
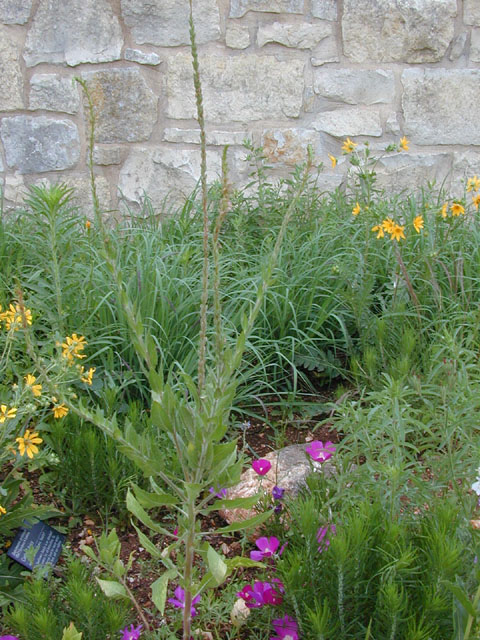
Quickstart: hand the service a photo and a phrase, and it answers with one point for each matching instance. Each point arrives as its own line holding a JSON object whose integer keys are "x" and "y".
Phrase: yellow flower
{"x": 30, "y": 382}
{"x": 418, "y": 223}
{"x": 397, "y": 232}
{"x": 72, "y": 346}
{"x": 348, "y": 146}
{"x": 333, "y": 160}
{"x": 14, "y": 318}
{"x": 476, "y": 201}
{"x": 28, "y": 443}
{"x": 7, "y": 414}
{"x": 87, "y": 378}
{"x": 3, "y": 511}
{"x": 356, "y": 209}
{"x": 404, "y": 143}
{"x": 457, "y": 209}
{"x": 388, "y": 225}
{"x": 379, "y": 230}
{"x": 473, "y": 184}
{"x": 444, "y": 210}
{"x": 59, "y": 410}
{"x": 88, "y": 224}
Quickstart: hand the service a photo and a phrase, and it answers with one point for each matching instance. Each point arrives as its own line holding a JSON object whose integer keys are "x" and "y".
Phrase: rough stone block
{"x": 458, "y": 46}
{"x": 239, "y": 8}
{"x": 37, "y": 144}
{"x": 135, "y": 55}
{"x": 355, "y": 86}
{"x": 349, "y": 122}
{"x": 192, "y": 136}
{"x": 475, "y": 46}
{"x": 465, "y": 165}
{"x": 397, "y": 31}
{"x": 15, "y": 11}
{"x": 14, "y": 190}
{"x": 236, "y": 89}
{"x": 404, "y": 171}
{"x": 437, "y": 105}
{"x": 53, "y": 92}
{"x": 106, "y": 156}
{"x": 324, "y": 9}
{"x": 125, "y": 106}
{"x": 165, "y": 23}
{"x": 471, "y": 12}
{"x": 327, "y": 51}
{"x": 289, "y": 146}
{"x": 73, "y": 32}
{"x": 237, "y": 37}
{"x": 300, "y": 36}
{"x": 11, "y": 84}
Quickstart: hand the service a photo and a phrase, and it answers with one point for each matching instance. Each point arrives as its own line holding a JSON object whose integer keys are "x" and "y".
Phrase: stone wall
{"x": 284, "y": 73}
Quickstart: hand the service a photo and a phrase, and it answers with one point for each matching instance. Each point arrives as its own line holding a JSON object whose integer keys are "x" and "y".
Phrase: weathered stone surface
{"x": 289, "y": 146}
{"x": 437, "y": 105}
{"x": 236, "y": 89}
{"x": 239, "y": 8}
{"x": 106, "y": 156}
{"x": 325, "y": 9}
{"x": 465, "y": 165}
{"x": 237, "y": 37}
{"x": 192, "y": 136}
{"x": 14, "y": 190}
{"x": 327, "y": 51}
{"x": 165, "y": 23}
{"x": 290, "y": 469}
{"x": 125, "y": 106}
{"x": 73, "y": 32}
{"x": 2, "y": 168}
{"x": 349, "y": 122}
{"x": 328, "y": 182}
{"x": 392, "y": 125}
{"x": 82, "y": 194}
{"x": 10, "y": 73}
{"x": 135, "y": 55}
{"x": 355, "y": 86}
{"x": 53, "y": 92}
{"x": 404, "y": 171}
{"x": 397, "y": 31}
{"x": 471, "y": 12}
{"x": 15, "y": 11}
{"x": 300, "y": 36}
{"x": 458, "y": 46}
{"x": 37, "y": 144}
{"x": 475, "y": 46}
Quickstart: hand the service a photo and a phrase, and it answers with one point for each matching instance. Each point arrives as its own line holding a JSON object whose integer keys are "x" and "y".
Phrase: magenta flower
{"x": 286, "y": 629}
{"x": 179, "y": 600}
{"x": 323, "y": 541}
{"x": 260, "y": 594}
{"x": 9, "y": 638}
{"x": 277, "y": 493}
{"x": 320, "y": 452}
{"x": 261, "y": 466}
{"x": 127, "y": 634}
{"x": 267, "y": 547}
{"x": 221, "y": 493}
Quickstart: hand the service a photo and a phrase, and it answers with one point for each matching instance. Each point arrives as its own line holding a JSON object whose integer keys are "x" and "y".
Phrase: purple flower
{"x": 9, "y": 638}
{"x": 286, "y": 629}
{"x": 278, "y": 508}
{"x": 320, "y": 452}
{"x": 221, "y": 493}
{"x": 260, "y": 594}
{"x": 267, "y": 547}
{"x": 323, "y": 541}
{"x": 277, "y": 493}
{"x": 261, "y": 466}
{"x": 179, "y": 601}
{"x": 128, "y": 634}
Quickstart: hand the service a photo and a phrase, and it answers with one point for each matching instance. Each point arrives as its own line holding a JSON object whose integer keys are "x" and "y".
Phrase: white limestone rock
{"x": 141, "y": 57}
{"x": 355, "y": 86}
{"x": 324, "y": 9}
{"x": 237, "y": 36}
{"x": 11, "y": 83}
{"x": 53, "y": 92}
{"x": 15, "y": 11}
{"x": 239, "y": 8}
{"x": 299, "y": 36}
{"x": 349, "y": 122}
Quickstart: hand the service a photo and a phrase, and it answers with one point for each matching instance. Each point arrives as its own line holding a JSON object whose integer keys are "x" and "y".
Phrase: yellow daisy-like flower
{"x": 7, "y": 414}
{"x": 473, "y": 184}
{"x": 28, "y": 443}
{"x": 3, "y": 511}
{"x": 476, "y": 201}
{"x": 356, "y": 209}
{"x": 333, "y": 160}
{"x": 404, "y": 143}
{"x": 444, "y": 211}
{"x": 72, "y": 346}
{"x": 397, "y": 232}
{"x": 87, "y": 378}
{"x": 88, "y": 224}
{"x": 378, "y": 229}
{"x": 418, "y": 223}
{"x": 59, "y": 410}
{"x": 348, "y": 146}
{"x": 457, "y": 209}
{"x": 30, "y": 382}
{"x": 14, "y": 318}
{"x": 388, "y": 225}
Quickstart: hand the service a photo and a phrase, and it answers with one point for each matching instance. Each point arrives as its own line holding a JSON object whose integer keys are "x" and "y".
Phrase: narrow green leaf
{"x": 245, "y": 524}
{"x": 112, "y": 589}
{"x": 159, "y": 589}
{"x": 134, "y": 507}
{"x": 216, "y": 565}
{"x": 151, "y": 500}
{"x": 461, "y": 596}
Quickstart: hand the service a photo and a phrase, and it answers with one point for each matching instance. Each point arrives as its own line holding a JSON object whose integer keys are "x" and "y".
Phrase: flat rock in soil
{"x": 290, "y": 468}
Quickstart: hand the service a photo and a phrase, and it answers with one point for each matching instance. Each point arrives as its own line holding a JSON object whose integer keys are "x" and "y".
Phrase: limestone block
{"x": 465, "y": 165}
{"x": 458, "y": 46}
{"x": 73, "y": 32}
{"x": 300, "y": 36}
{"x": 125, "y": 106}
{"x": 328, "y": 182}
{"x": 37, "y": 144}
{"x": 239, "y": 8}
{"x": 391, "y": 125}
{"x": 402, "y": 171}
{"x": 166, "y": 23}
{"x": 437, "y": 105}
{"x": 355, "y": 86}
{"x": 14, "y": 190}
{"x": 106, "y": 156}
{"x": 11, "y": 86}
{"x": 325, "y": 9}
{"x": 2, "y": 168}
{"x": 82, "y": 194}
{"x": 53, "y": 92}
{"x": 15, "y": 11}
{"x": 349, "y": 122}
{"x": 192, "y": 136}
{"x": 326, "y": 51}
{"x": 397, "y": 30}
{"x": 237, "y": 37}
{"x": 475, "y": 46}
{"x": 135, "y": 55}
{"x": 289, "y": 146}
{"x": 236, "y": 89}
{"x": 471, "y": 12}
